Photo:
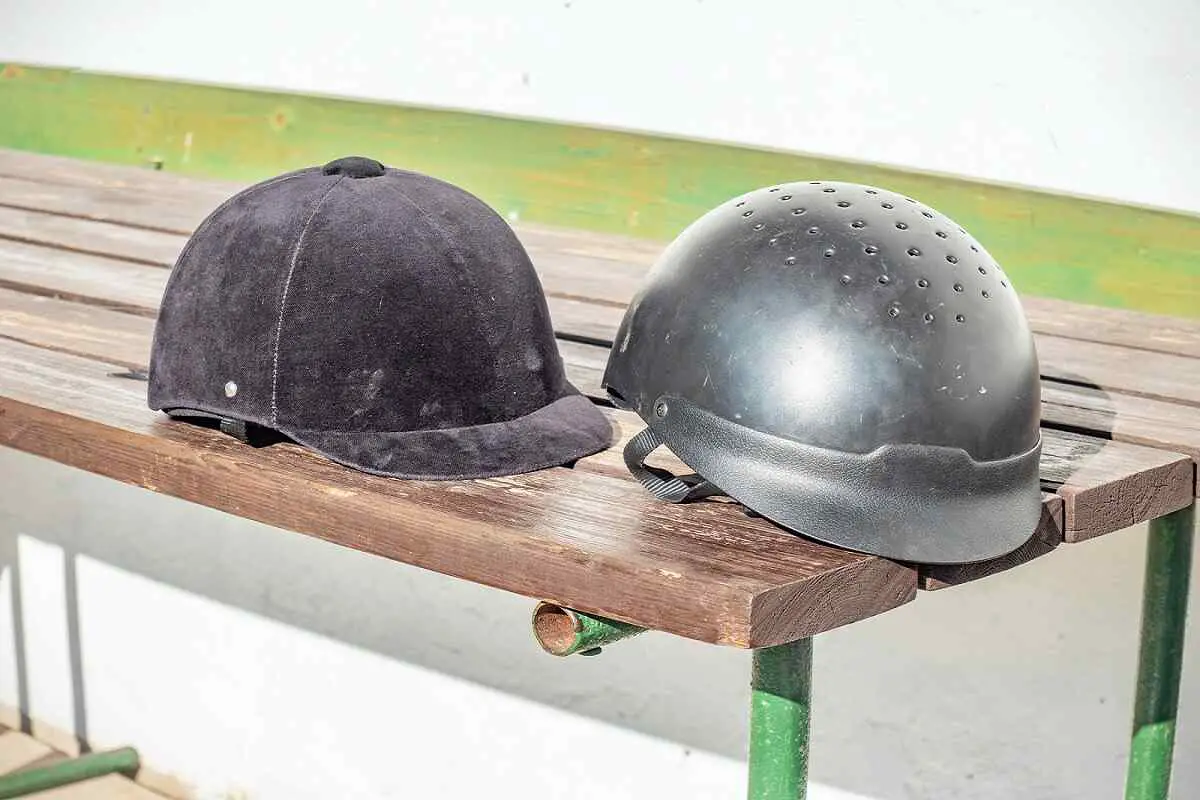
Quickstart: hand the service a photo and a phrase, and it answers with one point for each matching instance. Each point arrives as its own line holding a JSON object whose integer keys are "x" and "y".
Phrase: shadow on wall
{"x": 898, "y": 698}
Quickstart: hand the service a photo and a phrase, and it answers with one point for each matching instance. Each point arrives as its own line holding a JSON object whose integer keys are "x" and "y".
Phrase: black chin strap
{"x": 661, "y": 483}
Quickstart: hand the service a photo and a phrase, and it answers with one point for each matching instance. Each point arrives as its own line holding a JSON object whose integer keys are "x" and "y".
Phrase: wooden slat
{"x": 137, "y": 289}
{"x": 17, "y": 750}
{"x": 85, "y": 236}
{"x": 1154, "y": 479}
{"x": 588, "y": 271}
{"x": 1155, "y": 482}
{"x": 598, "y": 544}
{"x": 157, "y": 200}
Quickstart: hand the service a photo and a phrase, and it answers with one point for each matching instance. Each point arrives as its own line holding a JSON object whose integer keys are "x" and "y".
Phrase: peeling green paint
{"x": 651, "y": 186}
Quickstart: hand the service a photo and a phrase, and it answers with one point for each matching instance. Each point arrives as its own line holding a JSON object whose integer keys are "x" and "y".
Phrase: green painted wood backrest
{"x": 650, "y": 186}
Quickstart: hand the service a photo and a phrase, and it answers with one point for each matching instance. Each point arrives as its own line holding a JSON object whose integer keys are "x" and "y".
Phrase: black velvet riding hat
{"x": 388, "y": 320}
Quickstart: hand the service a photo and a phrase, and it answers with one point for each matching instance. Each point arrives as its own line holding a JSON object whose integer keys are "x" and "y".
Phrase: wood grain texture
{"x": 86, "y": 236}
{"x": 595, "y": 543}
{"x": 1080, "y": 469}
{"x": 136, "y": 289}
{"x": 1089, "y": 473}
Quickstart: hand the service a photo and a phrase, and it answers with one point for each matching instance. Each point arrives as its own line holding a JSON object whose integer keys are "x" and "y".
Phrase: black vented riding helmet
{"x": 845, "y": 361}
{"x": 386, "y": 319}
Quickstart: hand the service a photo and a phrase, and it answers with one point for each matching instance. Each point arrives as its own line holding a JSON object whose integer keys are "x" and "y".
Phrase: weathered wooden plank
{"x": 598, "y": 544}
{"x": 81, "y": 278}
{"x": 87, "y": 236}
{"x": 1080, "y": 469}
{"x": 1148, "y": 372}
{"x": 18, "y": 750}
{"x": 1154, "y": 477}
{"x": 137, "y": 289}
{"x": 75, "y": 328}
{"x": 157, "y": 200}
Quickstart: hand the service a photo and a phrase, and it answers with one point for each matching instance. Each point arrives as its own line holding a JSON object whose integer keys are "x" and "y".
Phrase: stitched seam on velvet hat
{"x": 244, "y": 193}
{"x": 287, "y": 285}
{"x": 430, "y": 223}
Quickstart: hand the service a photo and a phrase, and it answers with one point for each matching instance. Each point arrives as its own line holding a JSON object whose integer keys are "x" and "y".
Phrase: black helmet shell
{"x": 386, "y": 319}
{"x": 848, "y": 362}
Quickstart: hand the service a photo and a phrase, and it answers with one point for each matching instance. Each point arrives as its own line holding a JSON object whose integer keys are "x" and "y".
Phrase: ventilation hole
{"x": 959, "y": 318}
{"x": 829, "y": 189}
{"x": 909, "y": 199}
{"x": 747, "y": 213}
{"x": 982, "y": 271}
{"x": 872, "y": 191}
{"x": 830, "y": 252}
{"x": 845, "y": 280}
{"x": 902, "y": 226}
{"x": 887, "y": 205}
{"x": 927, "y": 215}
{"x": 759, "y": 226}
{"x": 797, "y": 212}
{"x": 742, "y": 203}
{"x": 843, "y": 204}
{"x": 814, "y": 230}
{"x": 928, "y": 316}
{"x": 790, "y": 260}
{"x": 894, "y": 311}
{"x": 962, "y": 231}
{"x": 914, "y": 252}
{"x": 785, "y": 197}
{"x": 1004, "y": 284}
{"x": 885, "y": 280}
{"x": 986, "y": 294}
{"x": 815, "y": 183}
{"x": 776, "y": 189}
{"x": 974, "y": 248}
{"x": 870, "y": 249}
{"x": 958, "y": 287}
{"x": 953, "y": 259}
{"x": 924, "y": 284}
{"x": 941, "y": 234}
{"x": 858, "y": 223}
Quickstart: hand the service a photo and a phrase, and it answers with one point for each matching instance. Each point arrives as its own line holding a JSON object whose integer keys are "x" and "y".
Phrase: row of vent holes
{"x": 894, "y": 311}
{"x": 885, "y": 280}
{"x": 858, "y": 223}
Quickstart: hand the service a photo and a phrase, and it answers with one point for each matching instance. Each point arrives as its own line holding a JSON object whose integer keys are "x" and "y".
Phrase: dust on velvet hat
{"x": 388, "y": 320}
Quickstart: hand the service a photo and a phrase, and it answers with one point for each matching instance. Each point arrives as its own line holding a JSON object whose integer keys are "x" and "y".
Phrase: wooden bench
{"x": 84, "y": 255}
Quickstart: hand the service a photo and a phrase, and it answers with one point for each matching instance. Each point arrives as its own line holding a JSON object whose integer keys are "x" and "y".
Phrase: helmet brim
{"x": 562, "y": 432}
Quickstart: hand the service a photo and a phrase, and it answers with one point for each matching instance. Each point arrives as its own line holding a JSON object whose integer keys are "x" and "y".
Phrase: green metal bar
{"x": 1164, "y": 608}
{"x": 779, "y": 721}
{"x": 564, "y": 631}
{"x": 92, "y": 765}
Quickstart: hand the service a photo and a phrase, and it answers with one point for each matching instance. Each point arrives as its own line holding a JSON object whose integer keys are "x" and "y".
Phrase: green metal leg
{"x": 779, "y": 719}
{"x": 93, "y": 765}
{"x": 1164, "y": 607}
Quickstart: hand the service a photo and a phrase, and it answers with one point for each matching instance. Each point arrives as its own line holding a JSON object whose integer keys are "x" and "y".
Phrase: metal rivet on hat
{"x": 230, "y": 388}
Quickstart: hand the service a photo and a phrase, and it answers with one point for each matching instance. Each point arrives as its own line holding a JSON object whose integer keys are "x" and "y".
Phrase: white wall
{"x": 1087, "y": 96}
{"x": 246, "y": 659}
